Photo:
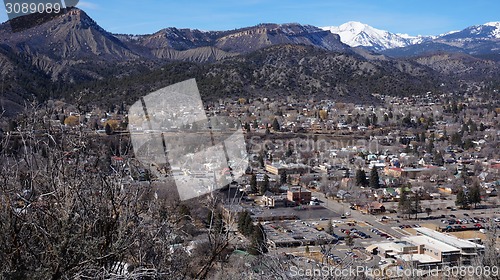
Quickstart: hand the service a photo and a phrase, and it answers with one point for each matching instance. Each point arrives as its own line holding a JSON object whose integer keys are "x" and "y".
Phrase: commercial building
{"x": 429, "y": 249}
{"x": 278, "y": 168}
{"x": 298, "y": 195}
{"x": 468, "y": 250}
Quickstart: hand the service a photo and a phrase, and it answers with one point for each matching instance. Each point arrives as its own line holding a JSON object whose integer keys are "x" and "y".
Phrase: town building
{"x": 299, "y": 195}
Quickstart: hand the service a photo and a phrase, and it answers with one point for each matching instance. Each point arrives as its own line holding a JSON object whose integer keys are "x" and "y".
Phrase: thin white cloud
{"x": 87, "y": 5}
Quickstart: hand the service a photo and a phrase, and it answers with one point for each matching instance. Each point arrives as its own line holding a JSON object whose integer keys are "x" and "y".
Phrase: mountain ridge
{"x": 357, "y": 34}
{"x": 480, "y": 39}
{"x": 72, "y": 54}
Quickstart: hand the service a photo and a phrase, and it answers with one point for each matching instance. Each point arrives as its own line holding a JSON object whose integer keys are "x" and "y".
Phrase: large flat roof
{"x": 422, "y": 258}
{"x": 397, "y": 246}
{"x": 448, "y": 239}
{"x": 431, "y": 242}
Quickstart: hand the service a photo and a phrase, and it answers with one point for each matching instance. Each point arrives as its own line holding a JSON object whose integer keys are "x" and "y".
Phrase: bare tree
{"x": 67, "y": 212}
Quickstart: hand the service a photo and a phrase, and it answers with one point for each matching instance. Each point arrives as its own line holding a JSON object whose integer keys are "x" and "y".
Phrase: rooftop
{"x": 430, "y": 242}
{"x": 421, "y": 258}
{"x": 448, "y": 239}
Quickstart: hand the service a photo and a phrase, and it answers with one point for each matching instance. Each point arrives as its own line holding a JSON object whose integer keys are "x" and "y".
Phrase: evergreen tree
{"x": 261, "y": 161}
{"x": 438, "y": 158}
{"x": 283, "y": 178}
{"x": 430, "y": 146}
{"x": 276, "y": 125}
{"x": 374, "y": 178}
{"x": 404, "y": 204}
{"x": 258, "y": 243}
{"x": 253, "y": 184}
{"x": 456, "y": 139}
{"x": 475, "y": 194}
{"x": 108, "y": 129}
{"x": 462, "y": 199}
{"x": 361, "y": 178}
{"x": 245, "y": 224}
{"x": 374, "y": 119}
{"x": 416, "y": 208}
{"x": 264, "y": 186}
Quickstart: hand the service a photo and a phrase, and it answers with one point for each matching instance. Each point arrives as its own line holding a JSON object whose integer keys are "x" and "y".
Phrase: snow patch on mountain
{"x": 495, "y": 33}
{"x": 357, "y": 34}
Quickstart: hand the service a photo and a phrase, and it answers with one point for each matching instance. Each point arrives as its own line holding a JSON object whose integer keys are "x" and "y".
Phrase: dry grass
{"x": 469, "y": 234}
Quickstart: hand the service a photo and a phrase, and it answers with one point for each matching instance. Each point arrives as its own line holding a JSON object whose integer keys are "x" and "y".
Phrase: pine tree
{"x": 276, "y": 125}
{"x": 108, "y": 129}
{"x": 261, "y": 160}
{"x": 374, "y": 119}
{"x": 374, "y": 178}
{"x": 258, "y": 243}
{"x": 253, "y": 184}
{"x": 361, "y": 178}
{"x": 462, "y": 199}
{"x": 475, "y": 194}
{"x": 438, "y": 158}
{"x": 245, "y": 224}
{"x": 264, "y": 186}
{"x": 416, "y": 203}
{"x": 404, "y": 204}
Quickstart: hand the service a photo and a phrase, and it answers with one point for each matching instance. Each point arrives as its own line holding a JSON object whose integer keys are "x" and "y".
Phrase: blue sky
{"x": 421, "y": 17}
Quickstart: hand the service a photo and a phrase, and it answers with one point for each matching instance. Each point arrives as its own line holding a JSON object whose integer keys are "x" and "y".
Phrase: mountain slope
{"x": 291, "y": 70}
{"x": 73, "y": 47}
{"x": 68, "y": 40}
{"x": 461, "y": 66}
{"x": 264, "y": 35}
{"x": 357, "y": 34}
{"x": 240, "y": 41}
{"x": 490, "y": 30}
{"x": 479, "y": 40}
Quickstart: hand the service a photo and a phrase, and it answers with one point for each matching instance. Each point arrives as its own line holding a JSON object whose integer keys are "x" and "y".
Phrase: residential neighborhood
{"x": 410, "y": 182}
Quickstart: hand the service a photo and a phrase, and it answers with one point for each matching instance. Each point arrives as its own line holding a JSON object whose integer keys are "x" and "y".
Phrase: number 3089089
{"x": 31, "y": 8}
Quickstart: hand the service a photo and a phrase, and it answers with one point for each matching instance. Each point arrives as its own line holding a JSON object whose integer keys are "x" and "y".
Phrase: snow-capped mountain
{"x": 483, "y": 39}
{"x": 490, "y": 30}
{"x": 357, "y": 34}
